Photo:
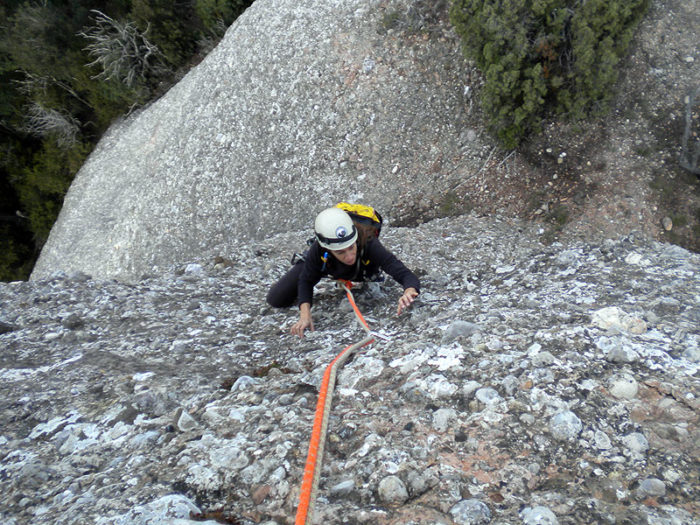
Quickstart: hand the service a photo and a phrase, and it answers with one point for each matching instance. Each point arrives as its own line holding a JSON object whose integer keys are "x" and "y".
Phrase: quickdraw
{"x": 314, "y": 458}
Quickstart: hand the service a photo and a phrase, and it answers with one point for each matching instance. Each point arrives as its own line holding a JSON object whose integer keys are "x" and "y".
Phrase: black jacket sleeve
{"x": 387, "y": 261}
{"x": 310, "y": 275}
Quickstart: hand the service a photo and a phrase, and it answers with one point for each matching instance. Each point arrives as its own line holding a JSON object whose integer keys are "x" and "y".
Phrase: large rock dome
{"x": 301, "y": 105}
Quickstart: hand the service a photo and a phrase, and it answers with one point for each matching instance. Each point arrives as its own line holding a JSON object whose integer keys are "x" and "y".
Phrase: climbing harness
{"x": 314, "y": 458}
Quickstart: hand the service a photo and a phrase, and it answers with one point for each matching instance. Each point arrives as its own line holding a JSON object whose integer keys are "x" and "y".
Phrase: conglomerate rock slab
{"x": 528, "y": 382}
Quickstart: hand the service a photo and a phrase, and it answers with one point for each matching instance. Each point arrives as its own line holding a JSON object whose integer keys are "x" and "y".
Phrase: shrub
{"x": 216, "y": 14}
{"x": 545, "y": 57}
{"x": 45, "y": 181}
{"x": 119, "y": 49}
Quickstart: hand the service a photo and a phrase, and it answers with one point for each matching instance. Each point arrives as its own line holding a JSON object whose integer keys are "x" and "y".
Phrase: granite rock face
{"x": 527, "y": 384}
{"x": 303, "y": 104}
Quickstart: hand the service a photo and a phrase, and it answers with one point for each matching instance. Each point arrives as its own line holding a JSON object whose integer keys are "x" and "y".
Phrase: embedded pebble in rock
{"x": 186, "y": 422}
{"x": 636, "y": 442}
{"x": 565, "y": 426}
{"x": 651, "y": 487}
{"x": 459, "y": 329}
{"x": 538, "y": 516}
{"x": 624, "y": 386}
{"x": 488, "y": 395}
{"x": 601, "y": 440}
{"x": 471, "y": 512}
{"x": 392, "y": 490}
{"x": 443, "y": 418}
{"x": 342, "y": 489}
{"x": 614, "y": 318}
{"x": 184, "y": 384}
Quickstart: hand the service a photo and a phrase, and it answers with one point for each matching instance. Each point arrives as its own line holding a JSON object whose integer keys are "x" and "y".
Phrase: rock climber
{"x": 354, "y": 256}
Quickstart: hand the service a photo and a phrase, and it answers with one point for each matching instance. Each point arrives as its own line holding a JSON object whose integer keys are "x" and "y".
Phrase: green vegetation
{"x": 452, "y": 204}
{"x": 68, "y": 69}
{"x": 542, "y": 58}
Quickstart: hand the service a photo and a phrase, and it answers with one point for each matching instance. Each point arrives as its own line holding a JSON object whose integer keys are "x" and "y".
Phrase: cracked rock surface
{"x": 527, "y": 384}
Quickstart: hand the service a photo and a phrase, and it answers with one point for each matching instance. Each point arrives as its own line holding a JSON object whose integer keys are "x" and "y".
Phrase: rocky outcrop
{"x": 528, "y": 384}
{"x": 303, "y": 104}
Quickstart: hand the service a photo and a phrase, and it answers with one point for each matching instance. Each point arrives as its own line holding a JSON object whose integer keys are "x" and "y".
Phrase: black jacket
{"x": 373, "y": 258}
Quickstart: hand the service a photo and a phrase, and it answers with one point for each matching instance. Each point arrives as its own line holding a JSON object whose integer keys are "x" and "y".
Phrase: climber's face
{"x": 346, "y": 256}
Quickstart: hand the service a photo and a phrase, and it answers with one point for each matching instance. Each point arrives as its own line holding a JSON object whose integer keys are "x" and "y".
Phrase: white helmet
{"x": 334, "y": 229}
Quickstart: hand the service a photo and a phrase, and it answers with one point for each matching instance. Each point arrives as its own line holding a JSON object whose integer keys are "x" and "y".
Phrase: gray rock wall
{"x": 528, "y": 384}
{"x": 304, "y": 103}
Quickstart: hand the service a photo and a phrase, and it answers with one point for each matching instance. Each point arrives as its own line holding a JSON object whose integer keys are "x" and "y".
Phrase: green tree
{"x": 219, "y": 14}
{"x": 45, "y": 182}
{"x": 545, "y": 57}
{"x": 167, "y": 24}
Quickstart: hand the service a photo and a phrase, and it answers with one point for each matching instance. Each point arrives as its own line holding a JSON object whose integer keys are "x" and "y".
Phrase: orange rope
{"x": 314, "y": 458}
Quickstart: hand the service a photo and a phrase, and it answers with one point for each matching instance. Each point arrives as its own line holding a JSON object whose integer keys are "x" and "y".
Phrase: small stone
{"x": 342, "y": 489}
{"x": 443, "y": 418}
{"x": 186, "y": 422}
{"x": 601, "y": 440}
{"x": 488, "y": 395}
{"x": 651, "y": 487}
{"x": 469, "y": 388}
{"x": 471, "y": 512}
{"x": 243, "y": 383}
{"x": 459, "y": 329}
{"x": 666, "y": 306}
{"x": 438, "y": 387}
{"x": 195, "y": 269}
{"x": 614, "y": 318}
{"x": 667, "y": 223}
{"x": 392, "y": 490}
{"x": 692, "y": 354}
{"x": 286, "y": 399}
{"x": 420, "y": 482}
{"x": 624, "y": 386}
{"x": 260, "y": 494}
{"x": 527, "y": 419}
{"x": 636, "y": 442}
{"x": 565, "y": 426}
{"x": 52, "y": 336}
{"x": 672, "y": 476}
{"x": 538, "y": 516}
{"x": 620, "y": 353}
{"x": 72, "y": 322}
{"x": 543, "y": 359}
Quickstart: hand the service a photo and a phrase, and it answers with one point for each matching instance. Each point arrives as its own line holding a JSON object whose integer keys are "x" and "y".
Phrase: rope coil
{"x": 314, "y": 458}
